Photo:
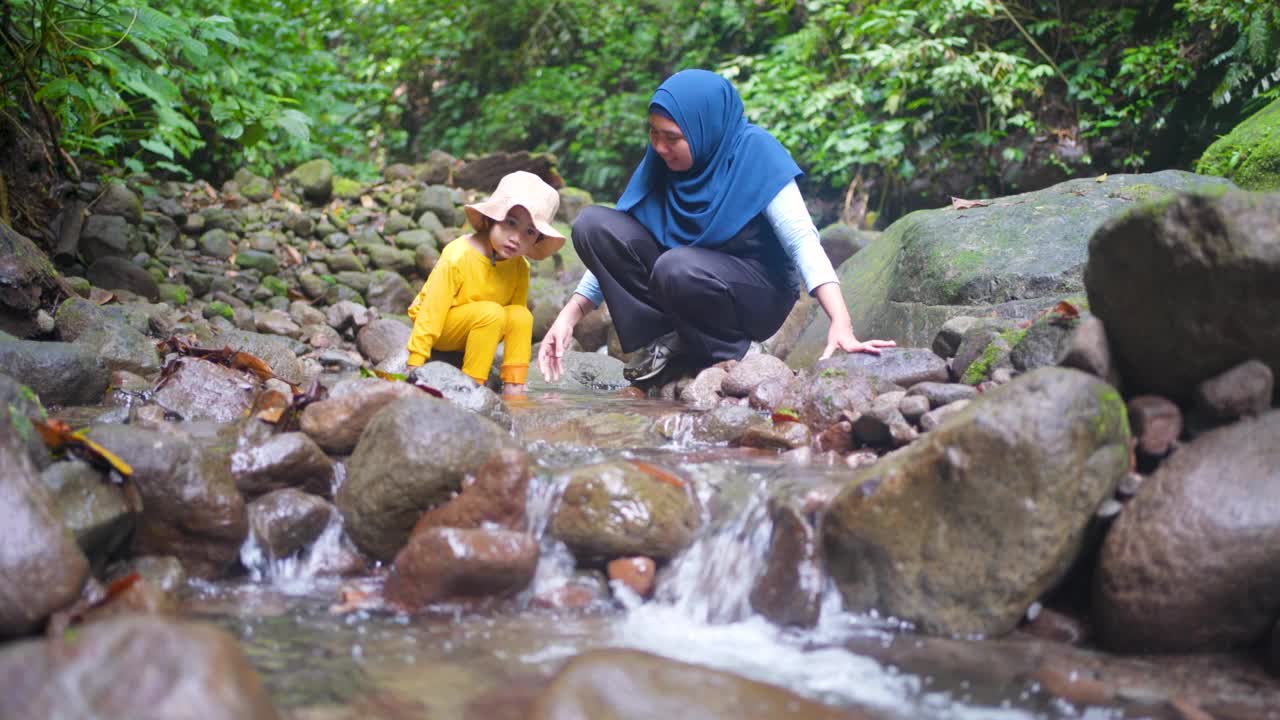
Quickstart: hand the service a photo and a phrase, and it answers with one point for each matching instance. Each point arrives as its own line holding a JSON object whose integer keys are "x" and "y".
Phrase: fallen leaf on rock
{"x": 1101, "y": 178}
{"x": 659, "y": 474}
{"x": 294, "y": 257}
{"x": 98, "y": 296}
{"x": 368, "y": 202}
{"x": 58, "y": 435}
{"x": 962, "y": 204}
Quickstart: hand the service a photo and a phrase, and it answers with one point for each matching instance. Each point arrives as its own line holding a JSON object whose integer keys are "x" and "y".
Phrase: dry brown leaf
{"x": 294, "y": 257}
{"x": 367, "y": 202}
{"x": 98, "y": 296}
{"x": 962, "y": 204}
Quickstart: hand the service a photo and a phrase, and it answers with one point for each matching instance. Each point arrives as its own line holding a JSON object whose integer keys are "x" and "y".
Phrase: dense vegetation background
{"x": 888, "y": 105}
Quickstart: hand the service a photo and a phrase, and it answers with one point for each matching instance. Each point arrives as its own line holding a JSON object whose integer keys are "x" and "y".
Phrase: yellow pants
{"x": 477, "y": 328}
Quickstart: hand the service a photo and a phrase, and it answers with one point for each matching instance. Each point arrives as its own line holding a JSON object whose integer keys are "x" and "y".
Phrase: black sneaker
{"x": 652, "y": 359}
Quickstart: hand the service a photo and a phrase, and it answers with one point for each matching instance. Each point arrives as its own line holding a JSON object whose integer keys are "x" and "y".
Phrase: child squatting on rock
{"x": 477, "y": 294}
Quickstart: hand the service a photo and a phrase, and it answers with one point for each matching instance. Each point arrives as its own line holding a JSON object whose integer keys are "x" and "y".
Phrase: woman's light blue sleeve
{"x": 790, "y": 219}
{"x": 589, "y": 288}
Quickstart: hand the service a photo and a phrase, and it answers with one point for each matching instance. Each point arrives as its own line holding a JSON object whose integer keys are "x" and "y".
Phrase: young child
{"x": 476, "y": 295}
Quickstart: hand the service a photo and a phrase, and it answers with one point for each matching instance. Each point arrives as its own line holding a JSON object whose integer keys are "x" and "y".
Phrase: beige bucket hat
{"x": 533, "y": 194}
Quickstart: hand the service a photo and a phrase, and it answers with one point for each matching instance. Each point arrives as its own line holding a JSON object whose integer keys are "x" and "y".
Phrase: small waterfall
{"x": 711, "y": 581}
{"x": 296, "y": 573}
{"x": 555, "y": 562}
{"x": 679, "y": 429}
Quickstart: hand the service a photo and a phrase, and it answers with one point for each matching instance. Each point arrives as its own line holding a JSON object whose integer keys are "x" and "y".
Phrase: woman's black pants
{"x": 717, "y": 301}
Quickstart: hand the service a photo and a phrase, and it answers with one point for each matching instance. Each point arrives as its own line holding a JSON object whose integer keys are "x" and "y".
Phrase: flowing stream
{"x": 455, "y": 663}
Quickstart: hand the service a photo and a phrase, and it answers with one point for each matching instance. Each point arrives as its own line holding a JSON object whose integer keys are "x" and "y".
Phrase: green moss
{"x": 329, "y": 279}
{"x": 346, "y": 188}
{"x": 21, "y": 425}
{"x": 219, "y": 308}
{"x": 275, "y": 285}
{"x": 993, "y": 353}
{"x": 832, "y": 372}
{"x": 1249, "y": 155}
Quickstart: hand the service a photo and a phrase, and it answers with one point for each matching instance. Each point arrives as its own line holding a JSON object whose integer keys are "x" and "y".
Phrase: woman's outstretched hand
{"x": 844, "y": 339}
{"x": 560, "y": 336}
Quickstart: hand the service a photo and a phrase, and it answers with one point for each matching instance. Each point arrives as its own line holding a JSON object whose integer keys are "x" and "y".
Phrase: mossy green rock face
{"x": 257, "y": 260}
{"x": 620, "y": 509}
{"x": 1011, "y": 259}
{"x": 217, "y": 308}
{"x": 1188, "y": 288}
{"x": 1249, "y": 155}
{"x": 257, "y": 189}
{"x": 347, "y": 189}
{"x": 316, "y": 180}
{"x": 962, "y": 530}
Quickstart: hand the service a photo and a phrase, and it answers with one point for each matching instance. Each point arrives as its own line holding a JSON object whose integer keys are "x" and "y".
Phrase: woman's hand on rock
{"x": 842, "y": 337}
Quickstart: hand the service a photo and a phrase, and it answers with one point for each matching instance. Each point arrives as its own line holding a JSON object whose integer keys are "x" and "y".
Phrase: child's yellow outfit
{"x": 471, "y": 303}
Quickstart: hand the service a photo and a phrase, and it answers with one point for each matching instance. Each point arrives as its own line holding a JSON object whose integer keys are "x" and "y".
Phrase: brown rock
{"x": 1057, "y": 627}
{"x": 495, "y": 495}
{"x": 1156, "y": 423}
{"x": 789, "y": 592}
{"x": 634, "y": 572}
{"x": 283, "y": 461}
{"x": 837, "y": 438}
{"x": 441, "y": 564}
{"x": 335, "y": 424}
{"x": 1245, "y": 389}
{"x": 286, "y": 521}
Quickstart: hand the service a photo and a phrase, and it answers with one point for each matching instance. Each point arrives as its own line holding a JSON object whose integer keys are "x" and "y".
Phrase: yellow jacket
{"x": 463, "y": 275}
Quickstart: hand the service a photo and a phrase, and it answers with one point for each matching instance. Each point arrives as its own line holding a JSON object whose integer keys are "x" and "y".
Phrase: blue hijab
{"x": 737, "y": 169}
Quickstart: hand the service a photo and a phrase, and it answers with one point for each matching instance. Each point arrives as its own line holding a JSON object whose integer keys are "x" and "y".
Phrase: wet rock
{"x": 789, "y": 591}
{"x": 275, "y": 351}
{"x": 41, "y": 568}
{"x": 494, "y": 496}
{"x": 463, "y": 391}
{"x": 584, "y": 370}
{"x": 287, "y": 460}
{"x": 1045, "y": 343}
{"x": 336, "y": 423}
{"x": 836, "y": 438}
{"x": 934, "y": 418}
{"x": 164, "y": 572}
{"x": 134, "y": 667}
{"x": 635, "y": 685}
{"x": 20, "y": 406}
{"x": 940, "y": 394}
{"x": 621, "y": 509}
{"x": 381, "y": 338}
{"x": 305, "y": 314}
{"x": 96, "y": 511}
{"x": 726, "y": 424}
{"x": 286, "y": 521}
{"x": 583, "y": 590}
{"x": 118, "y": 344}
{"x": 872, "y": 426}
{"x": 1156, "y": 423}
{"x": 1189, "y": 565}
{"x": 59, "y": 373}
{"x": 634, "y": 573}
{"x": 1244, "y": 390}
{"x": 412, "y": 456}
{"x": 202, "y": 390}
{"x": 1057, "y": 627}
{"x": 768, "y": 395}
{"x": 441, "y": 564}
{"x": 1025, "y": 467}
{"x": 704, "y": 392}
{"x": 752, "y": 371}
{"x": 190, "y": 506}
{"x": 777, "y": 436}
{"x": 900, "y": 366}
{"x": 833, "y": 395}
{"x": 1216, "y": 255}
{"x": 113, "y": 273}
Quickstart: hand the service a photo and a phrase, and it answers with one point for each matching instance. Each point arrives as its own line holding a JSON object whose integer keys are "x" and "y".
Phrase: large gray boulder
{"x": 1190, "y": 565}
{"x": 28, "y": 282}
{"x": 60, "y": 373}
{"x": 145, "y": 668}
{"x": 1011, "y": 258}
{"x": 190, "y": 506}
{"x": 41, "y": 568}
{"x": 926, "y": 533}
{"x": 1188, "y": 288}
{"x": 411, "y": 457}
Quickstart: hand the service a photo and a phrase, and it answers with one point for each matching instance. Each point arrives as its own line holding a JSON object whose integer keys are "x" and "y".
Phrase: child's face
{"x": 514, "y": 236}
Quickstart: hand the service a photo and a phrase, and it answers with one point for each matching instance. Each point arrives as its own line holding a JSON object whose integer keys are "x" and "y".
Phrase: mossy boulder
{"x": 1249, "y": 155}
{"x": 1010, "y": 258}
{"x": 28, "y": 281}
{"x": 347, "y": 189}
{"x": 315, "y": 179}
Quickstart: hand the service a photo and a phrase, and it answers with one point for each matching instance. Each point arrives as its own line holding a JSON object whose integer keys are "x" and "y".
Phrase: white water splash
{"x": 296, "y": 573}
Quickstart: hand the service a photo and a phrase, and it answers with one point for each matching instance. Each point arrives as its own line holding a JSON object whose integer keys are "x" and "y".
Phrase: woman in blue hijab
{"x": 701, "y": 255}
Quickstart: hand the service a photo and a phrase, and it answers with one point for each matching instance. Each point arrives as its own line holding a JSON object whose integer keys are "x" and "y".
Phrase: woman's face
{"x": 669, "y": 143}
